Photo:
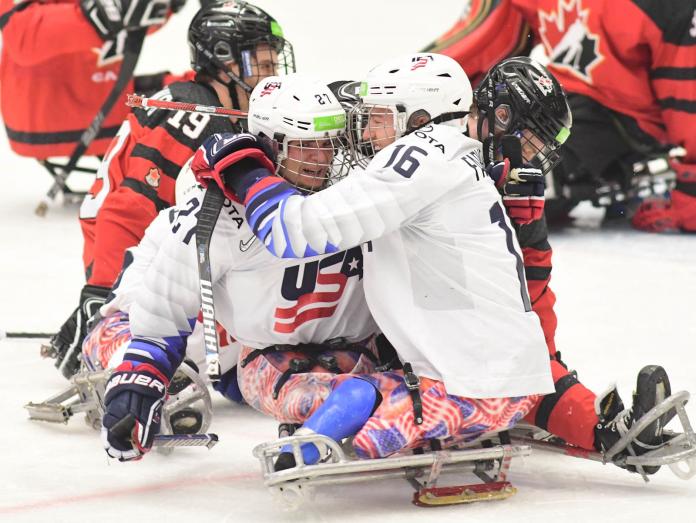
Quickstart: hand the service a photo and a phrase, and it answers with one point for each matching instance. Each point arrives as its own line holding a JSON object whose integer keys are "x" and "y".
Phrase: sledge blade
{"x": 443, "y": 496}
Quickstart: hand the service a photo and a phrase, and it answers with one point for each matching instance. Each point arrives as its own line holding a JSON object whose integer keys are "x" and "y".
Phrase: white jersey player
{"x": 298, "y": 321}
{"x": 443, "y": 272}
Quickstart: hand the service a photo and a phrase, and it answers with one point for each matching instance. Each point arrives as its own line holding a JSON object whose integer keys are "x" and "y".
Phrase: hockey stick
{"x": 26, "y": 335}
{"x": 134, "y": 43}
{"x": 207, "y": 218}
{"x": 124, "y": 428}
{"x": 209, "y": 439}
{"x": 135, "y": 100}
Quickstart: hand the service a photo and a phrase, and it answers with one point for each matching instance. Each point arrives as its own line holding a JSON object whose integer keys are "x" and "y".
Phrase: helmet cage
{"x": 225, "y": 32}
{"x": 312, "y": 163}
{"x": 360, "y": 131}
{"x": 511, "y": 85}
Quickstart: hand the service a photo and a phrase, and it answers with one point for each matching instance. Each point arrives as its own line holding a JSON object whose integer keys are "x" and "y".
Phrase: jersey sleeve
{"x": 672, "y": 39}
{"x": 400, "y": 181}
{"x": 161, "y": 145}
{"x": 42, "y": 31}
{"x": 165, "y": 303}
{"x": 486, "y": 33}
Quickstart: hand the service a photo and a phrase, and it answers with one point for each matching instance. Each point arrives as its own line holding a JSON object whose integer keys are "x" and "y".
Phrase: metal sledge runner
{"x": 421, "y": 470}
{"x": 86, "y": 394}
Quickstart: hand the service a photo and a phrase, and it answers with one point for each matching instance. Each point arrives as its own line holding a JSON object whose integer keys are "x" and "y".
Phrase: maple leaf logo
{"x": 568, "y": 40}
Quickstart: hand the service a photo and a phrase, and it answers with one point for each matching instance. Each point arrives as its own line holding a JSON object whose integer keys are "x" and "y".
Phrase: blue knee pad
{"x": 343, "y": 414}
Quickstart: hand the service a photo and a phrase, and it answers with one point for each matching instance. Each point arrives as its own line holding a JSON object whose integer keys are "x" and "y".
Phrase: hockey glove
{"x": 522, "y": 189}
{"x": 217, "y": 158}
{"x": 67, "y": 344}
{"x": 109, "y": 17}
{"x": 135, "y": 394}
{"x": 675, "y": 213}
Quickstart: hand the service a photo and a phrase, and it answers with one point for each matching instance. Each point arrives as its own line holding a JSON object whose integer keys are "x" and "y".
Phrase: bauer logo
{"x": 134, "y": 378}
{"x": 270, "y": 87}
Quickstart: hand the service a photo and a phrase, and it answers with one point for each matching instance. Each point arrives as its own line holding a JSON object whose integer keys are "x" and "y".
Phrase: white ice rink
{"x": 625, "y": 299}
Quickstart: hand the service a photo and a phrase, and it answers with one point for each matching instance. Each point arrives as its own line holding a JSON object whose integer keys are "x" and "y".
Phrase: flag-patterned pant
{"x": 450, "y": 419}
{"x": 302, "y": 393}
{"x": 109, "y": 338}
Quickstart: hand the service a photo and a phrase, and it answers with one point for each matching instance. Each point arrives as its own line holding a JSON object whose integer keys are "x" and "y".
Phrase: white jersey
{"x": 259, "y": 299}
{"x": 444, "y": 276}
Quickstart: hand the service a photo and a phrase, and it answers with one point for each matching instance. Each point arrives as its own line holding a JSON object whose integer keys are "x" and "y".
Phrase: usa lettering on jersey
{"x": 317, "y": 293}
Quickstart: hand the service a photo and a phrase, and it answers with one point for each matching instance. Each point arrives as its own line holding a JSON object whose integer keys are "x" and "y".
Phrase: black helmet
{"x": 222, "y": 31}
{"x": 536, "y": 102}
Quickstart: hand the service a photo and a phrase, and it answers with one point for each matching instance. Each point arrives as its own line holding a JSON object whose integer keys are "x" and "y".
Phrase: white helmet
{"x": 414, "y": 87}
{"x": 305, "y": 120}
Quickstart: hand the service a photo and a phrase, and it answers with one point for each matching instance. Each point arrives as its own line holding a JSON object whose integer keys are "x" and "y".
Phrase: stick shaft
{"x": 149, "y": 103}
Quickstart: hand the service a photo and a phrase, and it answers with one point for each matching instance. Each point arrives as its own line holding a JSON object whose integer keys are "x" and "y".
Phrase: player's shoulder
{"x": 445, "y": 142}
{"x": 675, "y": 18}
{"x": 193, "y": 92}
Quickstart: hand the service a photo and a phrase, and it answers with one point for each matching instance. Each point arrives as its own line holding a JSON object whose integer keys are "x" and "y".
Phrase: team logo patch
{"x": 568, "y": 40}
{"x": 545, "y": 84}
{"x": 420, "y": 61}
{"x": 111, "y": 51}
{"x": 153, "y": 177}
{"x": 270, "y": 87}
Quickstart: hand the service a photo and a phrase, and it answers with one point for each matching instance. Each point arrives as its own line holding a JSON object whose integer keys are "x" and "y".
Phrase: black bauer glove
{"x": 109, "y": 17}
{"x": 133, "y": 403}
{"x": 67, "y": 343}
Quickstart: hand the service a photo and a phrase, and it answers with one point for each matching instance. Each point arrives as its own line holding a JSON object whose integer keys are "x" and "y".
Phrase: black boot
{"x": 652, "y": 388}
{"x": 286, "y": 460}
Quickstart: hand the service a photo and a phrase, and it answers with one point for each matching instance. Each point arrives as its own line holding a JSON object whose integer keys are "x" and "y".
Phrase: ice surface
{"x": 625, "y": 299}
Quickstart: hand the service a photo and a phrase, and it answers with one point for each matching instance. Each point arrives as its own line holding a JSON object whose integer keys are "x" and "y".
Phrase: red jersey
{"x": 55, "y": 73}
{"x": 137, "y": 178}
{"x": 636, "y": 57}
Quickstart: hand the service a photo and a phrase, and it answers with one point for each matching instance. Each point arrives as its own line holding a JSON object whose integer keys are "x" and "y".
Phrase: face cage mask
{"x": 283, "y": 63}
{"x": 312, "y": 164}
{"x": 373, "y": 127}
{"x": 537, "y": 153}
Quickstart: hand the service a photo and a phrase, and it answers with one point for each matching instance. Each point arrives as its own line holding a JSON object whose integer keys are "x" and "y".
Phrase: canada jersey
{"x": 259, "y": 299}
{"x": 443, "y": 272}
{"x": 50, "y": 50}
{"x": 138, "y": 176}
{"x": 635, "y": 57}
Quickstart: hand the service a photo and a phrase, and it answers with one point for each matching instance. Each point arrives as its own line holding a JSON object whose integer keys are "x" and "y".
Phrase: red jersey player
{"x": 233, "y": 45}
{"x": 631, "y": 92}
{"x": 67, "y": 54}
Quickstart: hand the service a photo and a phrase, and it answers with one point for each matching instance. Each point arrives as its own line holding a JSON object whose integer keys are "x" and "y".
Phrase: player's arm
{"x": 537, "y": 256}
{"x": 43, "y": 31}
{"x": 400, "y": 181}
{"x": 162, "y": 313}
{"x": 486, "y": 33}
{"x": 152, "y": 166}
{"x": 673, "y": 50}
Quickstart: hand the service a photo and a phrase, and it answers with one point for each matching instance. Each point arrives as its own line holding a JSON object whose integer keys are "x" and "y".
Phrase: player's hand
{"x": 135, "y": 393}
{"x": 522, "y": 189}
{"x": 67, "y": 343}
{"x": 678, "y": 212}
{"x": 109, "y": 17}
{"x": 673, "y": 214}
{"x": 217, "y": 158}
